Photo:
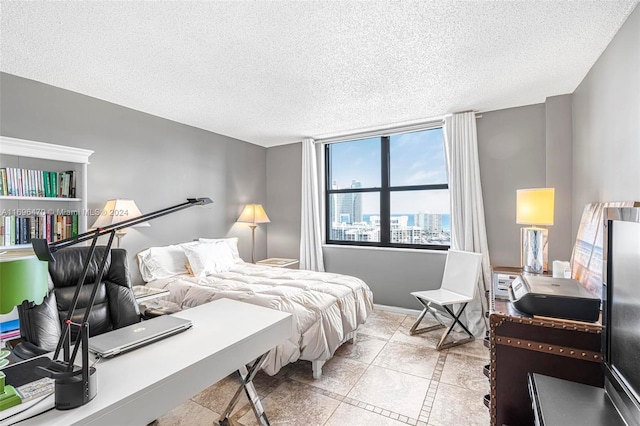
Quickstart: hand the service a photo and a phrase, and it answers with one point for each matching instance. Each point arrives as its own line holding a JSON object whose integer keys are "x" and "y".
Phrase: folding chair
{"x": 461, "y": 274}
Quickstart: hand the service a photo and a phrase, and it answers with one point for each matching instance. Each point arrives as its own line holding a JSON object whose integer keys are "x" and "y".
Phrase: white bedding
{"x": 326, "y": 307}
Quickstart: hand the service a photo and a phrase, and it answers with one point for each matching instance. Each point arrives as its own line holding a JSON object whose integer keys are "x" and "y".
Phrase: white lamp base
{"x": 534, "y": 256}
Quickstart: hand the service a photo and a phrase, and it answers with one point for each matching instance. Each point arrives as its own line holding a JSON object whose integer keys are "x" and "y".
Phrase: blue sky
{"x": 416, "y": 158}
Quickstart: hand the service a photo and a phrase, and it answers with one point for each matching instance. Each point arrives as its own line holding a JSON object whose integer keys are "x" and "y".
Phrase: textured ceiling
{"x": 272, "y": 73}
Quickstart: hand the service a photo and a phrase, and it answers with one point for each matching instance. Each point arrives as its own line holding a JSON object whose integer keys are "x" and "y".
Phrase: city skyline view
{"x": 446, "y": 219}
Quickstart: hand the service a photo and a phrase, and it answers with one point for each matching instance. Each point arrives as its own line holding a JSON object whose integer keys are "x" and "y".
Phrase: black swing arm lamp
{"x": 75, "y": 386}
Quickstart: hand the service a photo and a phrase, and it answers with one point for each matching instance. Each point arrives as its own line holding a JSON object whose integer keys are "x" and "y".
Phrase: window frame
{"x": 384, "y": 192}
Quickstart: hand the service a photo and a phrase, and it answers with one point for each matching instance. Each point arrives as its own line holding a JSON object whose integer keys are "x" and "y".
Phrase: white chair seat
{"x": 442, "y": 296}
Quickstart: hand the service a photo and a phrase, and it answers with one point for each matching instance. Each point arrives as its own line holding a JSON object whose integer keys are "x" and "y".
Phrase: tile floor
{"x": 388, "y": 378}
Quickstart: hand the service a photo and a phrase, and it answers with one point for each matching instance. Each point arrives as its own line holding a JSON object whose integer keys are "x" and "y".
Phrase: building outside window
{"x": 388, "y": 191}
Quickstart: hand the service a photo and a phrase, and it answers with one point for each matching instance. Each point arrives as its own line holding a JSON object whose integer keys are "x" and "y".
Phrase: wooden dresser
{"x": 520, "y": 344}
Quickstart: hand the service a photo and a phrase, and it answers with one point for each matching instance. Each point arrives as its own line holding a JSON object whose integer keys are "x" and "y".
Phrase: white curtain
{"x": 468, "y": 230}
{"x": 310, "y": 234}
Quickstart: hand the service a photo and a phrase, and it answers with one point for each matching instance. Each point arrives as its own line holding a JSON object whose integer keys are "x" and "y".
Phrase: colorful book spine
{"x": 10, "y": 329}
{"x": 9, "y": 325}
{"x": 3, "y": 182}
{"x": 10, "y": 335}
{"x": 74, "y": 225}
{"x": 21, "y": 230}
{"x": 37, "y": 183}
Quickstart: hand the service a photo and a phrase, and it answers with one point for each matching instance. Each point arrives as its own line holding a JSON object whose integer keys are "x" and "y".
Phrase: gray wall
{"x": 559, "y": 174}
{"x": 511, "y": 149}
{"x": 606, "y": 124}
{"x": 526, "y": 147}
{"x": 156, "y": 162}
{"x": 391, "y": 273}
{"x": 284, "y": 186}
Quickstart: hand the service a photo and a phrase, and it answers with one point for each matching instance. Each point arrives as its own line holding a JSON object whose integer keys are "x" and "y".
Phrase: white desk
{"x": 138, "y": 387}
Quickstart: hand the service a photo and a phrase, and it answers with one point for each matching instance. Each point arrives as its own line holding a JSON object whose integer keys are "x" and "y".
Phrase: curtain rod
{"x": 379, "y": 131}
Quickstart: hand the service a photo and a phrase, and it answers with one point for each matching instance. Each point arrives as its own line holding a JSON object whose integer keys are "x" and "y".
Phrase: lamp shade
{"x": 22, "y": 277}
{"x": 535, "y": 206}
{"x": 253, "y": 213}
{"x": 116, "y": 211}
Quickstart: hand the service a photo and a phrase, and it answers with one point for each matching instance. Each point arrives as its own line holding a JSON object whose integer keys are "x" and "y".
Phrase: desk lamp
{"x": 534, "y": 207}
{"x": 77, "y": 385}
{"x": 23, "y": 279}
{"x": 253, "y": 214}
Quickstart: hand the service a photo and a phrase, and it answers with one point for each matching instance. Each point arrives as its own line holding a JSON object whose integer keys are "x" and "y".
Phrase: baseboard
{"x": 396, "y": 309}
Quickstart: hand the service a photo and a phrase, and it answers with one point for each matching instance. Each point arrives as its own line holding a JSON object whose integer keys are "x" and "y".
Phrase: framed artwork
{"x": 586, "y": 258}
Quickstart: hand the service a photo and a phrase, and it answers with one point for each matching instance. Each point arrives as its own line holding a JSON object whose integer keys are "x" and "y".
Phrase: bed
{"x": 327, "y": 308}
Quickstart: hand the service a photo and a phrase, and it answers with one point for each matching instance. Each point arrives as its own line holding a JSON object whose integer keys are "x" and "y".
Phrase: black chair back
{"x": 115, "y": 305}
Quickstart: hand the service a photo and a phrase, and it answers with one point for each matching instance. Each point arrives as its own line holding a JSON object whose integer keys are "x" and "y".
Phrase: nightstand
{"x": 278, "y": 262}
{"x": 143, "y": 293}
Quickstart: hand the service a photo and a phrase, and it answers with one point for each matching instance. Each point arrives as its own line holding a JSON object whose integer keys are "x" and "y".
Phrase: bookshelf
{"x": 31, "y": 155}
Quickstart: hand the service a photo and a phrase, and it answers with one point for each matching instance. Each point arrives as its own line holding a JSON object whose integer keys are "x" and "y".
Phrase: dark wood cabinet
{"x": 520, "y": 344}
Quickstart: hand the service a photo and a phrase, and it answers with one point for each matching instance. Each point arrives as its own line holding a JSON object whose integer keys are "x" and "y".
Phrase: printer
{"x": 554, "y": 297}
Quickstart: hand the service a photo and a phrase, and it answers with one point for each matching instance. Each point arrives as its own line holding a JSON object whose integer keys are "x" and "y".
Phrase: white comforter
{"x": 325, "y": 306}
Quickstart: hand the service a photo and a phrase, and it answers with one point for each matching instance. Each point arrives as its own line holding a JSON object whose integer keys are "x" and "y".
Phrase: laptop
{"x": 136, "y": 335}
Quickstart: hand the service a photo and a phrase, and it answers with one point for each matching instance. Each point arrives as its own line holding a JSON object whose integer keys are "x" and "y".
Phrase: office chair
{"x": 115, "y": 305}
{"x": 461, "y": 274}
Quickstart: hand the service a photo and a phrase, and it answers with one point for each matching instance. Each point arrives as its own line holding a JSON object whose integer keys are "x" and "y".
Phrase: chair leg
{"x": 427, "y": 308}
{"x": 456, "y": 320}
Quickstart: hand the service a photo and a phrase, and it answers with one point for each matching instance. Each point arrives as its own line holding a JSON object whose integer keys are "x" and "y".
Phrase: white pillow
{"x": 231, "y": 242}
{"x": 162, "y": 262}
{"x": 209, "y": 258}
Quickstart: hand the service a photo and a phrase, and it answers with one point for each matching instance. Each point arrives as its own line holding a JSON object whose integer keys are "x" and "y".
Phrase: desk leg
{"x": 247, "y": 384}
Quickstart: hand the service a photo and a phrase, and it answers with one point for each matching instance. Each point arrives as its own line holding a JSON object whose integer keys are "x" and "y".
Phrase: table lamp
{"x": 253, "y": 214}
{"x": 534, "y": 207}
{"x": 118, "y": 211}
{"x": 23, "y": 279}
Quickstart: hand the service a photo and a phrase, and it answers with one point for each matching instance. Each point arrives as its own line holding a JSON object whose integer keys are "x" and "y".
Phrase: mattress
{"x": 326, "y": 307}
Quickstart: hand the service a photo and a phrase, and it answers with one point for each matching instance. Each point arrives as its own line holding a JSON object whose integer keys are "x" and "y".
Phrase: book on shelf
{"x": 3, "y": 182}
{"x": 37, "y": 183}
{"x": 72, "y": 183}
{"x": 54, "y": 183}
{"x": 9, "y": 329}
{"x": 10, "y": 325}
{"x": 17, "y": 230}
{"x": 11, "y": 334}
{"x": 47, "y": 184}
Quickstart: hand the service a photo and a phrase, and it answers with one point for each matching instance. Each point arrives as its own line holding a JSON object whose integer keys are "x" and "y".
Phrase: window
{"x": 388, "y": 191}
